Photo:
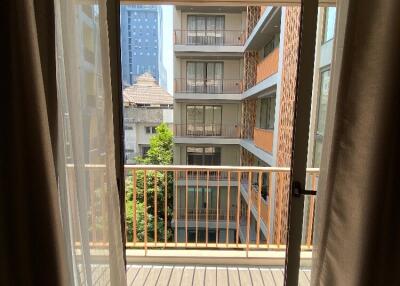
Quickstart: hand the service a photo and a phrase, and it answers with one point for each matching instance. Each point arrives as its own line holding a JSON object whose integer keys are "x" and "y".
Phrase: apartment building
{"x": 146, "y": 105}
{"x": 235, "y": 76}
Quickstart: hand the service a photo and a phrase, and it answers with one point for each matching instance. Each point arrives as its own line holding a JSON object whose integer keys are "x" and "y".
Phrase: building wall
{"x": 288, "y": 90}
{"x": 135, "y": 121}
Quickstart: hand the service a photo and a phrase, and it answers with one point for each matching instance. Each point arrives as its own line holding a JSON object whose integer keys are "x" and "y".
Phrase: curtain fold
{"x": 87, "y": 165}
{"x": 32, "y": 250}
{"x": 357, "y": 229}
{"x": 59, "y": 209}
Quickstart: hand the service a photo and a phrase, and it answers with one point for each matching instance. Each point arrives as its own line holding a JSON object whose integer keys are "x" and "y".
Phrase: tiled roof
{"x": 146, "y": 91}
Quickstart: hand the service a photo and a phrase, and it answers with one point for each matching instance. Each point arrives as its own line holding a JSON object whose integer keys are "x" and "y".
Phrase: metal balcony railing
{"x": 203, "y": 213}
{"x": 209, "y": 86}
{"x": 209, "y": 37}
{"x": 207, "y": 130}
{"x": 177, "y": 214}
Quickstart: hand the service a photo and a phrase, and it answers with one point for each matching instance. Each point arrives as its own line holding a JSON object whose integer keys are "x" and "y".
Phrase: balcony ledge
{"x": 214, "y": 257}
{"x": 206, "y": 140}
{"x": 207, "y": 96}
{"x": 238, "y": 49}
{"x": 268, "y": 83}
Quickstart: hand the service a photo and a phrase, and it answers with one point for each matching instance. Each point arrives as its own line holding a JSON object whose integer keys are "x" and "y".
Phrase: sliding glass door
{"x": 204, "y": 77}
{"x": 204, "y": 120}
{"x": 205, "y": 30}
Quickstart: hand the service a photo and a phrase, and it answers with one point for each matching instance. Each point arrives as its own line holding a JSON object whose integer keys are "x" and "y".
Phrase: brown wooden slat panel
{"x": 244, "y": 276}
{"x": 176, "y": 276}
{"x": 222, "y": 276}
{"x": 187, "y": 276}
{"x": 153, "y": 275}
{"x": 267, "y": 277}
{"x": 211, "y": 276}
{"x": 199, "y": 276}
{"x": 165, "y": 276}
{"x": 256, "y": 277}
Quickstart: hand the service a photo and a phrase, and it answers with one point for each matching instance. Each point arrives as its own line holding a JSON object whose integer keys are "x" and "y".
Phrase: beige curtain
{"x": 357, "y": 232}
{"x": 89, "y": 194}
{"x": 32, "y": 247}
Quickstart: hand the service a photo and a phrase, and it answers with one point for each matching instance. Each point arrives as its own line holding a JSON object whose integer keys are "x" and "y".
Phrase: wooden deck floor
{"x": 208, "y": 275}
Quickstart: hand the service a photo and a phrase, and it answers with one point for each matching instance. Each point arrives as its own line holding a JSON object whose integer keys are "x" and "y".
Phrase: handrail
{"x": 208, "y": 85}
{"x": 207, "y": 130}
{"x": 173, "y": 195}
{"x": 219, "y": 37}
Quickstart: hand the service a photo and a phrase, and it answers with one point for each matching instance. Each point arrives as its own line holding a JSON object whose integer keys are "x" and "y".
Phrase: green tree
{"x": 160, "y": 153}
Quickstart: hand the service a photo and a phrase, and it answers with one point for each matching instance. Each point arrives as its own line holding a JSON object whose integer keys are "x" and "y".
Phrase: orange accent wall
{"x": 268, "y": 66}
{"x": 263, "y": 139}
{"x": 262, "y": 10}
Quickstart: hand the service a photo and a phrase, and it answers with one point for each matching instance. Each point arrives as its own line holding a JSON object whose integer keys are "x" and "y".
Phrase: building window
{"x": 204, "y": 120}
{"x": 203, "y": 156}
{"x": 329, "y": 24}
{"x": 267, "y": 112}
{"x": 145, "y": 150}
{"x": 205, "y": 30}
{"x": 204, "y": 77}
{"x": 150, "y": 129}
{"x": 321, "y": 116}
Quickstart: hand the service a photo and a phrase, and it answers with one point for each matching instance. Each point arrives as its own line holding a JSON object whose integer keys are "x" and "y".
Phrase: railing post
{"x": 186, "y": 207}
{"x": 239, "y": 174}
{"x": 216, "y": 232}
{"x": 165, "y": 206}
{"x": 197, "y": 204}
{"x": 134, "y": 207}
{"x": 176, "y": 207}
{"x": 227, "y": 207}
{"x": 248, "y": 214}
{"x": 259, "y": 208}
{"x": 145, "y": 210}
{"x": 155, "y": 208}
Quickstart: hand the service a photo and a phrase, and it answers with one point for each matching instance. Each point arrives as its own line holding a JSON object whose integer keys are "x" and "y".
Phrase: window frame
{"x": 218, "y": 127}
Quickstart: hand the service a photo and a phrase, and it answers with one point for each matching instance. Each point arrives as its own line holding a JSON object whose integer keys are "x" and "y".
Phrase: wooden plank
{"x": 244, "y": 276}
{"x": 233, "y": 276}
{"x": 278, "y": 276}
{"x": 255, "y": 276}
{"x": 176, "y": 276}
{"x": 165, "y": 275}
{"x": 222, "y": 276}
{"x": 153, "y": 275}
{"x": 199, "y": 276}
{"x": 142, "y": 275}
{"x": 211, "y": 276}
{"x": 303, "y": 280}
{"x": 307, "y": 273}
{"x": 187, "y": 276}
{"x": 267, "y": 277}
{"x": 131, "y": 273}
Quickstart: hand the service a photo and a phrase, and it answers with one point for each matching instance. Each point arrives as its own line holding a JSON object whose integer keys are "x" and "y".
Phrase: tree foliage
{"x": 160, "y": 153}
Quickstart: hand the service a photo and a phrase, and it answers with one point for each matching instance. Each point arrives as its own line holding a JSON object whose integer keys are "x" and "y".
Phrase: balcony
{"x": 208, "y": 86}
{"x": 263, "y": 139}
{"x": 209, "y": 37}
{"x": 177, "y": 216}
{"x": 169, "y": 240}
{"x": 207, "y": 130}
{"x": 268, "y": 66}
